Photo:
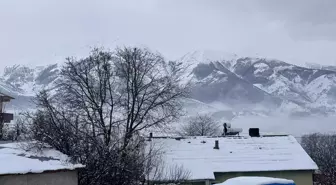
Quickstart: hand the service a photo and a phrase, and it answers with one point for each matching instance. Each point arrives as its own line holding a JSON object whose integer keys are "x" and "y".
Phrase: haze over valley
{"x": 246, "y": 91}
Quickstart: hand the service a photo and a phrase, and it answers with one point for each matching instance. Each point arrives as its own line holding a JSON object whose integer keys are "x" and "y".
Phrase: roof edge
{"x": 46, "y": 171}
{"x": 266, "y": 171}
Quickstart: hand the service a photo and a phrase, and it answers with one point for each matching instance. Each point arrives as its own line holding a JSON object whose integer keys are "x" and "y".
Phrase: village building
{"x": 209, "y": 160}
{"x": 5, "y": 117}
{"x": 22, "y": 165}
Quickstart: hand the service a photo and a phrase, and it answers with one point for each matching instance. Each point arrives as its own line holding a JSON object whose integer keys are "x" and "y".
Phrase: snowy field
{"x": 269, "y": 125}
{"x": 285, "y": 125}
{"x": 277, "y": 124}
{"x": 280, "y": 124}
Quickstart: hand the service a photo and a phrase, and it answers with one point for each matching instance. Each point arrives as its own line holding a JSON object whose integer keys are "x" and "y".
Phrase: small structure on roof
{"x": 21, "y": 165}
{"x": 216, "y": 159}
{"x": 228, "y": 131}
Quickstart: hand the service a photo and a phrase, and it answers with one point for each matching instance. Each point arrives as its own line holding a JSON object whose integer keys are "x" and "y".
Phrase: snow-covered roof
{"x": 15, "y": 158}
{"x": 256, "y": 181}
{"x": 235, "y": 154}
{"x": 5, "y": 97}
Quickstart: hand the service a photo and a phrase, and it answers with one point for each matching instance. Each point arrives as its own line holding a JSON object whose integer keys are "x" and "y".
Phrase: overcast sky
{"x": 46, "y": 31}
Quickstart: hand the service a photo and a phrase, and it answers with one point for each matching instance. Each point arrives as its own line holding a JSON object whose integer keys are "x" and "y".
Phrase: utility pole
{"x": 4, "y": 117}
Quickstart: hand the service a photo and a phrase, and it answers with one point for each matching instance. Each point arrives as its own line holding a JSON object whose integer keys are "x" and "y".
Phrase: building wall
{"x": 299, "y": 177}
{"x": 50, "y": 178}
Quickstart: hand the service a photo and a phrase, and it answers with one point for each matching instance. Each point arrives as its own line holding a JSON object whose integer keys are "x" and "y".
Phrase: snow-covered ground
{"x": 277, "y": 124}
{"x": 280, "y": 125}
{"x": 285, "y": 125}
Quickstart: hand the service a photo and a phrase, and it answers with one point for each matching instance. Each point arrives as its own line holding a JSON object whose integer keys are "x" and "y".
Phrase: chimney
{"x": 254, "y": 132}
{"x": 216, "y": 145}
{"x": 150, "y": 136}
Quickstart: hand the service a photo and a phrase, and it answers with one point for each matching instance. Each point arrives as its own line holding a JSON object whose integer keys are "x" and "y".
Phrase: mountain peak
{"x": 206, "y": 56}
{"x": 24, "y": 80}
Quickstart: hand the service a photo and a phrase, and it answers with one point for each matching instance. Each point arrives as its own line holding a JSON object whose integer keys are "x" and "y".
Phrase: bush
{"x": 322, "y": 149}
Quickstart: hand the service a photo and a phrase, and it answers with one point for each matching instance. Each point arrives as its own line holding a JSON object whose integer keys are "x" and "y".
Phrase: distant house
{"x": 5, "y": 117}
{"x": 20, "y": 166}
{"x": 214, "y": 160}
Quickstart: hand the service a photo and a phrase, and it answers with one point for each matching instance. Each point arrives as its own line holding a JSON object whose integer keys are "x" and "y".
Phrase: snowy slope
{"x": 206, "y": 56}
{"x": 203, "y": 57}
{"x": 226, "y": 77}
{"x": 23, "y": 82}
{"x": 322, "y": 91}
{"x": 241, "y": 85}
{"x": 319, "y": 66}
{"x": 26, "y": 81}
{"x": 294, "y": 83}
{"x": 213, "y": 82}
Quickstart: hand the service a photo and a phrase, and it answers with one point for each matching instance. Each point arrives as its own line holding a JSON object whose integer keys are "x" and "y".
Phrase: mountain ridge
{"x": 241, "y": 83}
{"x": 286, "y": 81}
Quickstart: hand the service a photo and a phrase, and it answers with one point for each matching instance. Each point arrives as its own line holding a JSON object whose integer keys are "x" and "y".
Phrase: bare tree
{"x": 99, "y": 106}
{"x": 151, "y": 89}
{"x": 158, "y": 171}
{"x": 175, "y": 174}
{"x": 200, "y": 125}
{"x": 161, "y": 172}
{"x": 321, "y": 148}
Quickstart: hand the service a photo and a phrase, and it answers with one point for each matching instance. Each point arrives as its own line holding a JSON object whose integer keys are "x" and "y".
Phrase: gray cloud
{"x": 39, "y": 31}
{"x": 304, "y": 19}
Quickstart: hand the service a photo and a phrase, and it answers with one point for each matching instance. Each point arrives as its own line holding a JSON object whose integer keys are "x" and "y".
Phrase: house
{"x": 5, "y": 117}
{"x": 21, "y": 165}
{"x": 216, "y": 159}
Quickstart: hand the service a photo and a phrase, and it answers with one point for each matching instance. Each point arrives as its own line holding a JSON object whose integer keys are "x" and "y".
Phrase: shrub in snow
{"x": 322, "y": 149}
{"x": 16, "y": 130}
{"x": 200, "y": 125}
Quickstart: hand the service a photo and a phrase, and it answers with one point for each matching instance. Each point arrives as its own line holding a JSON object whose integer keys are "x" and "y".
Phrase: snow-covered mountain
{"x": 23, "y": 82}
{"x": 223, "y": 84}
{"x": 250, "y": 82}
{"x": 320, "y": 66}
